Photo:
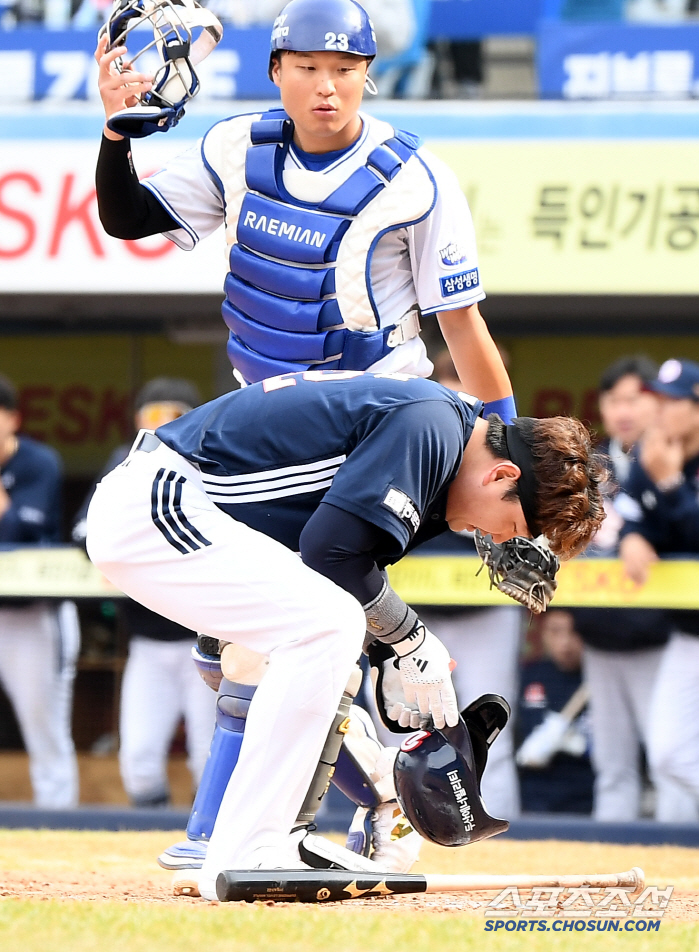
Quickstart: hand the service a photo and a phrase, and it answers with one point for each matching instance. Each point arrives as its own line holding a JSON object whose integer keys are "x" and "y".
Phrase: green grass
{"x": 51, "y": 926}
{"x": 122, "y": 865}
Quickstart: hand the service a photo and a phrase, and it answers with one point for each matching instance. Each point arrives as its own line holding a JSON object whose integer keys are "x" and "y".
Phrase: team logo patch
{"x": 414, "y": 741}
{"x": 403, "y": 506}
{"x": 535, "y": 695}
{"x": 459, "y": 282}
{"x": 451, "y": 255}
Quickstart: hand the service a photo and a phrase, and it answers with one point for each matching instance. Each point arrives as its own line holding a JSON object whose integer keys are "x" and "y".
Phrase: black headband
{"x": 520, "y": 454}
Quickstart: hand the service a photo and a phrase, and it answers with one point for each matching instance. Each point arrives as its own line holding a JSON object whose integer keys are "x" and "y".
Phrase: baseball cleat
{"x": 187, "y": 854}
{"x": 396, "y": 845}
{"x": 319, "y": 853}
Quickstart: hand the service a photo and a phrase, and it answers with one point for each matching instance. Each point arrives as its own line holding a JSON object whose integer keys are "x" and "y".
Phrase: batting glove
{"x": 425, "y": 673}
{"x": 390, "y": 697}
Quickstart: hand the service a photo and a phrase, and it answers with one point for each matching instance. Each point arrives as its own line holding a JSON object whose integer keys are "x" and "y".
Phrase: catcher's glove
{"x": 524, "y": 569}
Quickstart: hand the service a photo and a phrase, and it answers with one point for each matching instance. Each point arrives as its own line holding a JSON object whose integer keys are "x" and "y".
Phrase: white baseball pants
{"x": 160, "y": 685}
{"x": 217, "y": 576}
{"x": 673, "y": 742}
{"x": 622, "y": 685}
{"x": 39, "y": 645}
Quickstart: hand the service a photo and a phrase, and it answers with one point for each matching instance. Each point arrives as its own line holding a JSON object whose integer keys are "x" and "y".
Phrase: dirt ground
{"x": 120, "y": 867}
{"x": 91, "y": 886}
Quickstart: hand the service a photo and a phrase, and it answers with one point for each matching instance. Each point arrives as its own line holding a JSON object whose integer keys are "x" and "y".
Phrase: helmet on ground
{"x": 184, "y": 33}
{"x": 310, "y": 26}
{"x": 437, "y": 779}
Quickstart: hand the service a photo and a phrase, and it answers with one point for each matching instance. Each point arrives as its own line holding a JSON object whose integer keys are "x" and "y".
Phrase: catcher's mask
{"x": 184, "y": 33}
{"x": 437, "y": 775}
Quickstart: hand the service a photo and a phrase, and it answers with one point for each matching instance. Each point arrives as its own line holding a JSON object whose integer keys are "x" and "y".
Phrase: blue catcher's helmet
{"x": 310, "y": 26}
{"x": 437, "y": 775}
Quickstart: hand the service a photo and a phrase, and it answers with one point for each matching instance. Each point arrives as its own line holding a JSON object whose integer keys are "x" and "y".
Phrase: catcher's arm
{"x": 475, "y": 355}
{"x": 524, "y": 569}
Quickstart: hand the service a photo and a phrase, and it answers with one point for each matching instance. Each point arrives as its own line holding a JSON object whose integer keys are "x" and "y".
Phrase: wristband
{"x": 506, "y": 409}
{"x": 388, "y": 618}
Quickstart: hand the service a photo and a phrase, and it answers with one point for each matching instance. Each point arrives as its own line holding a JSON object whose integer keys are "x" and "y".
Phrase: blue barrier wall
{"x": 59, "y": 64}
{"x": 470, "y": 19}
{"x": 617, "y": 60}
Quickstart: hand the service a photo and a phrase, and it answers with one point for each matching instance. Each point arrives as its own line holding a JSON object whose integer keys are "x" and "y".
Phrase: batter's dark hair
{"x": 636, "y": 365}
{"x": 8, "y": 394}
{"x": 567, "y": 476}
{"x": 168, "y": 390}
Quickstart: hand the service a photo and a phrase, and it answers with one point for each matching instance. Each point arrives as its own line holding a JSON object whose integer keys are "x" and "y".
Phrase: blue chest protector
{"x": 280, "y": 305}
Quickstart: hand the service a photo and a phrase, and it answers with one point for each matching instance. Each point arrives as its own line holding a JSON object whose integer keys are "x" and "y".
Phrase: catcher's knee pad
{"x": 231, "y": 713}
{"x": 437, "y": 775}
{"x": 208, "y": 665}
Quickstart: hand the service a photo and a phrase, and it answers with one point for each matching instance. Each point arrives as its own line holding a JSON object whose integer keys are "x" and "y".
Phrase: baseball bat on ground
{"x": 334, "y": 885}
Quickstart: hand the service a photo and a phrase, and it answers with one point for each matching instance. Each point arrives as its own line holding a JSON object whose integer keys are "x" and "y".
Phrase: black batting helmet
{"x": 437, "y": 776}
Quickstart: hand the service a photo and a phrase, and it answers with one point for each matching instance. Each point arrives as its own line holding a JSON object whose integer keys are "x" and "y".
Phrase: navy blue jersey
{"x": 32, "y": 479}
{"x": 668, "y": 520}
{"x": 565, "y": 786}
{"x": 384, "y": 447}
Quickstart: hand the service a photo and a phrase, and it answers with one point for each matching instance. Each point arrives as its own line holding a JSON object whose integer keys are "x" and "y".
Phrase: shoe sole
{"x": 167, "y": 862}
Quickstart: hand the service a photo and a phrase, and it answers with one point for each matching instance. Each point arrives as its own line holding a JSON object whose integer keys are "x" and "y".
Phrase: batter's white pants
{"x": 237, "y": 585}
{"x": 161, "y": 684}
{"x": 485, "y": 645}
{"x": 39, "y": 645}
{"x": 673, "y": 739}
{"x": 621, "y": 685}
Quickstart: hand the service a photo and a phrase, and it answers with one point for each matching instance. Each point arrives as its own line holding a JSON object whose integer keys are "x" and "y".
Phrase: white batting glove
{"x": 424, "y": 667}
{"x": 393, "y": 697}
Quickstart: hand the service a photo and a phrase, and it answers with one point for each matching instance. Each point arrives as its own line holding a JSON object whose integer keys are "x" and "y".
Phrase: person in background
{"x": 555, "y": 773}
{"x": 161, "y": 684}
{"x": 662, "y": 517}
{"x": 623, "y": 646}
{"x": 39, "y": 640}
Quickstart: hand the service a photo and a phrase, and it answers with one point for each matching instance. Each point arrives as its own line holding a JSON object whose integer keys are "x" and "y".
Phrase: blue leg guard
{"x": 231, "y": 711}
{"x": 351, "y": 780}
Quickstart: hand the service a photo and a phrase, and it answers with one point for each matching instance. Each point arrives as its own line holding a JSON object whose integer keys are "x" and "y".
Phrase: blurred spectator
{"x": 161, "y": 683}
{"x": 650, "y": 11}
{"x": 591, "y": 10}
{"x": 662, "y": 517}
{"x": 555, "y": 773}
{"x": 39, "y": 641}
{"x": 457, "y": 68}
{"x": 623, "y": 646}
{"x": 404, "y": 66}
{"x": 91, "y": 14}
